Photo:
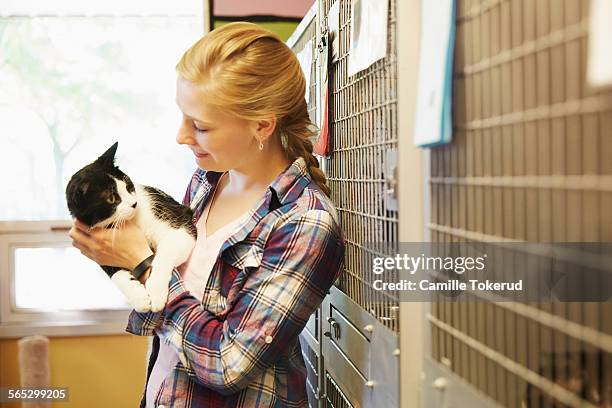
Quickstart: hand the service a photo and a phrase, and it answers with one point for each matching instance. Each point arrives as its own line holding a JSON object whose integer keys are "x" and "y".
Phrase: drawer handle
{"x": 335, "y": 327}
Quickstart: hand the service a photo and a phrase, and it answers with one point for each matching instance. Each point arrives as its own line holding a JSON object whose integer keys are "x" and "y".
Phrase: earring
{"x": 260, "y": 145}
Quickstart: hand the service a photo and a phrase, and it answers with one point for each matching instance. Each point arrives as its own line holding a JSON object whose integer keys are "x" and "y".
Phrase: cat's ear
{"x": 83, "y": 188}
{"x": 75, "y": 194}
{"x": 76, "y": 191}
{"x": 108, "y": 158}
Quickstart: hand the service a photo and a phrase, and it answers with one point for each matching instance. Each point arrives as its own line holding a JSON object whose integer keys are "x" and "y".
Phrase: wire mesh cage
{"x": 334, "y": 397}
{"x": 529, "y": 162}
{"x": 363, "y": 129}
{"x": 312, "y": 371}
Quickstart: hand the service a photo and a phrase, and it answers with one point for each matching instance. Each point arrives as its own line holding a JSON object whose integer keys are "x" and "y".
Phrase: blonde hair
{"x": 249, "y": 72}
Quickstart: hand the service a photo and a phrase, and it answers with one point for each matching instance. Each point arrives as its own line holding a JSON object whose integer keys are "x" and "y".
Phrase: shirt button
{"x": 268, "y": 339}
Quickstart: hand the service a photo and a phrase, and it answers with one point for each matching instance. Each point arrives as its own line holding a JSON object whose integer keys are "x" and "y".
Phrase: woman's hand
{"x": 123, "y": 247}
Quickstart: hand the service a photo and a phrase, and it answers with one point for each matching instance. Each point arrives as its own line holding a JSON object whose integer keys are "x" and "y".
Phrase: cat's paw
{"x": 138, "y": 297}
{"x": 142, "y": 305}
{"x": 157, "y": 290}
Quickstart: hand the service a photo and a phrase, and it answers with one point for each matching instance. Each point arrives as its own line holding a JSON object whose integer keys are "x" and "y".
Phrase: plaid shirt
{"x": 238, "y": 345}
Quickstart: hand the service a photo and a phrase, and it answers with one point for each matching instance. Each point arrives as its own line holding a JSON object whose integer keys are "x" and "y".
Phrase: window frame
{"x": 17, "y": 322}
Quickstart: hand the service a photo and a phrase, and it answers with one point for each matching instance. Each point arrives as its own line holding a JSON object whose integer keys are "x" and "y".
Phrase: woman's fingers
{"x": 82, "y": 227}
{"x": 82, "y": 241}
{"x": 84, "y": 250}
{"x": 90, "y": 238}
{"x": 104, "y": 238}
{"x": 123, "y": 247}
{"x": 78, "y": 235}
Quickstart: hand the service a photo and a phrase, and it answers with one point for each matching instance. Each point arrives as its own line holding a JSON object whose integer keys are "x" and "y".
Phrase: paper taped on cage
{"x": 368, "y": 34}
{"x": 333, "y": 25}
{"x": 433, "y": 122}
{"x": 305, "y": 59}
{"x": 600, "y": 53}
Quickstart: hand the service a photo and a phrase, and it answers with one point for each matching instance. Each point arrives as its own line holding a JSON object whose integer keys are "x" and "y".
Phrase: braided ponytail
{"x": 298, "y": 130}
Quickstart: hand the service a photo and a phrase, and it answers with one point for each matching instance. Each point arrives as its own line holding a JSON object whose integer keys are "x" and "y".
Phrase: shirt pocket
{"x": 239, "y": 265}
{"x": 252, "y": 257}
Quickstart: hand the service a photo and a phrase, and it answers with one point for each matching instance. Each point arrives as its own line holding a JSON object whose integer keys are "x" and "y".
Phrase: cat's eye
{"x": 111, "y": 199}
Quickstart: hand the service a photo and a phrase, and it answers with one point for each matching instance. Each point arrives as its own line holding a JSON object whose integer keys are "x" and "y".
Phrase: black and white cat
{"x": 102, "y": 196}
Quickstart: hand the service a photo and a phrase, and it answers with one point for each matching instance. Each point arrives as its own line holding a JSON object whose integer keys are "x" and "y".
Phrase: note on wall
{"x": 333, "y": 25}
{"x": 305, "y": 59}
{"x": 599, "y": 71}
{"x": 368, "y": 33}
{"x": 433, "y": 122}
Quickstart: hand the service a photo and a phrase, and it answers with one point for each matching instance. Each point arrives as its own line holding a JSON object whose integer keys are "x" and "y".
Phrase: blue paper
{"x": 434, "y": 122}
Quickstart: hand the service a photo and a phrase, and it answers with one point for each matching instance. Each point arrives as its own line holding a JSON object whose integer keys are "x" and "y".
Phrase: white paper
{"x": 368, "y": 33}
{"x": 305, "y": 59}
{"x": 599, "y": 71}
{"x": 333, "y": 26}
{"x": 435, "y": 75}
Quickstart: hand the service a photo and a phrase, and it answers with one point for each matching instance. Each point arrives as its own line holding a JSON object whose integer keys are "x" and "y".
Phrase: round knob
{"x": 440, "y": 383}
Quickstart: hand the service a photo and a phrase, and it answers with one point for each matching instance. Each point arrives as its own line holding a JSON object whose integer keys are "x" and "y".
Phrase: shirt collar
{"x": 284, "y": 189}
{"x": 288, "y": 185}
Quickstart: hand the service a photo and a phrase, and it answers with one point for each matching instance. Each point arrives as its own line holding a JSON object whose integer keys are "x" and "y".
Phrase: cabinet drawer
{"x": 350, "y": 340}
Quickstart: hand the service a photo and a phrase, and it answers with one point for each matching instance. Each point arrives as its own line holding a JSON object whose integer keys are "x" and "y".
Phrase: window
{"x": 75, "y": 78}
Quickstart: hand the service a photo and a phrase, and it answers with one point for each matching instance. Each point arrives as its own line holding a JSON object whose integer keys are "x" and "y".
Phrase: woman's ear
{"x": 264, "y": 128}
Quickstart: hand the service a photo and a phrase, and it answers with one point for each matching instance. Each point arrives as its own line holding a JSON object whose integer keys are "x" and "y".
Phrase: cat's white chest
{"x": 153, "y": 228}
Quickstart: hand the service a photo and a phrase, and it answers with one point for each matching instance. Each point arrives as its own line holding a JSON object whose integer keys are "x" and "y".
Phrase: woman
{"x": 269, "y": 246}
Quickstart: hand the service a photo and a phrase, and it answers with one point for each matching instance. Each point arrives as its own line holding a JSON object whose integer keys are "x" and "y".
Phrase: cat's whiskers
{"x": 118, "y": 224}
{"x": 114, "y": 228}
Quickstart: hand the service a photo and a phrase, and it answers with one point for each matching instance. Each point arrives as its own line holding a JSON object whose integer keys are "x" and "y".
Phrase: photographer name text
{"x": 450, "y": 286}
